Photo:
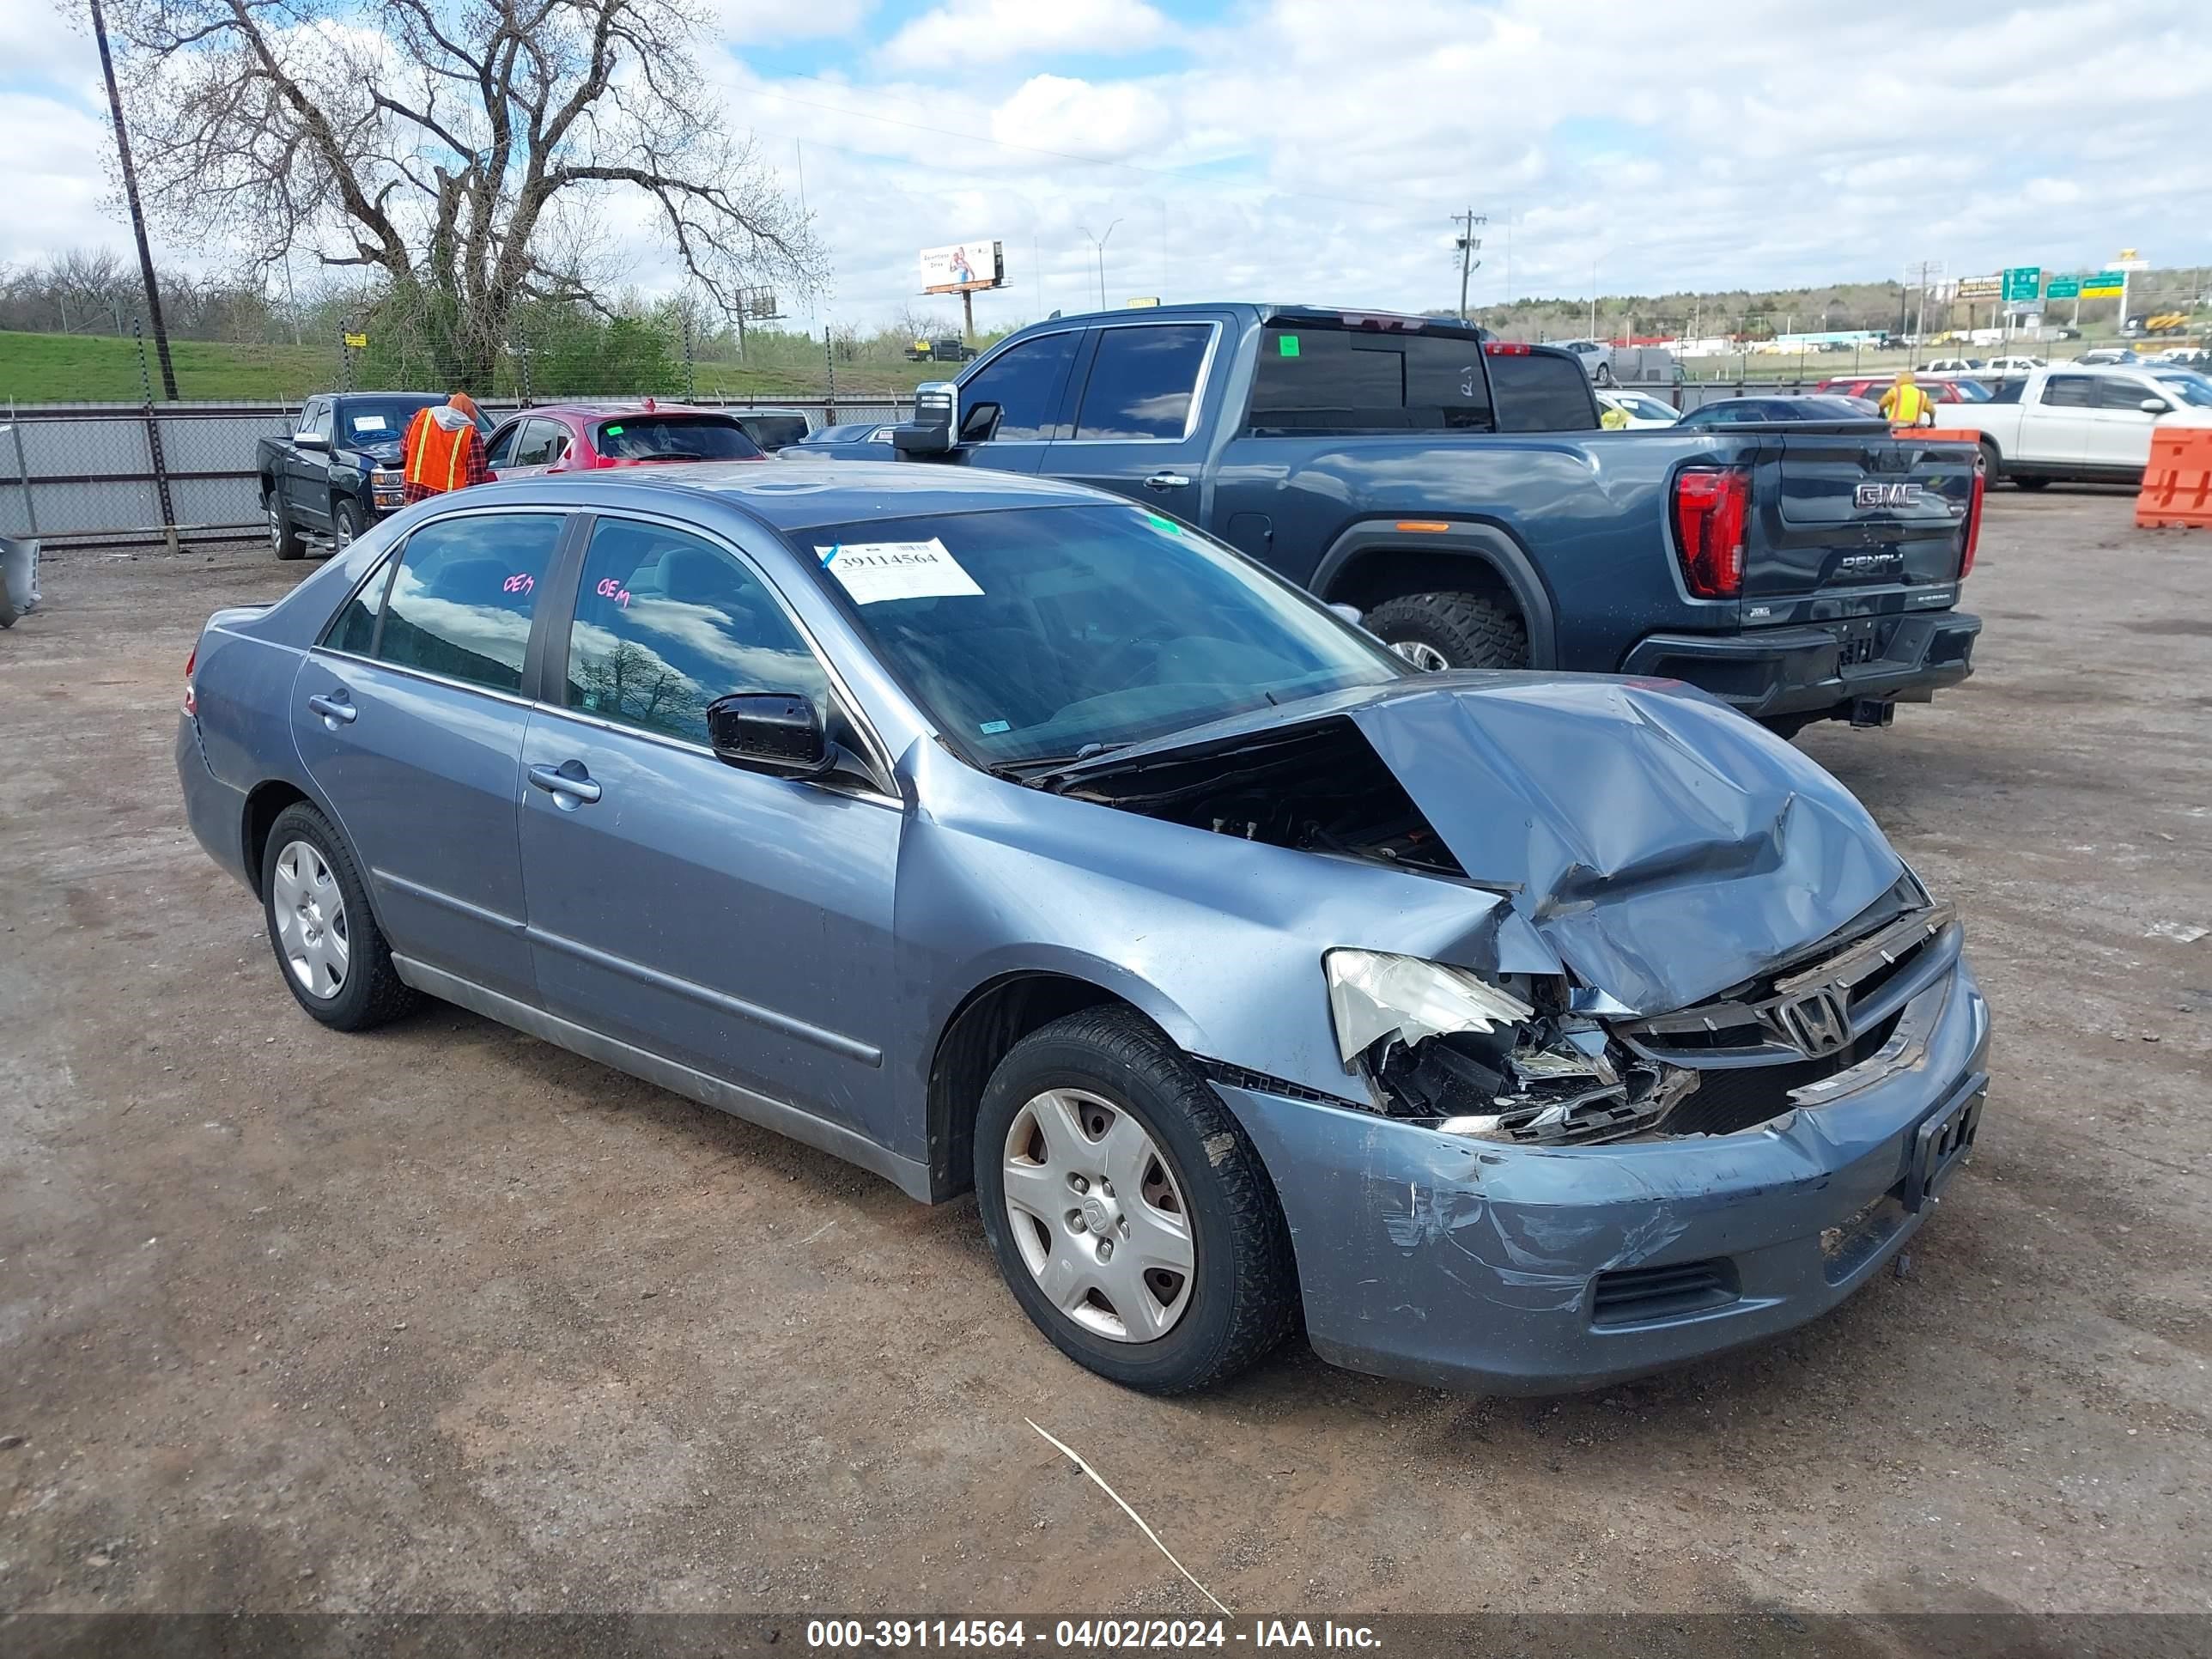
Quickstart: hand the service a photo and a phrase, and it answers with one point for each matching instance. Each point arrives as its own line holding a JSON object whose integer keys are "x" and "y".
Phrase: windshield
{"x": 676, "y": 438}
{"x": 2187, "y": 385}
{"x": 1971, "y": 392}
{"x": 374, "y": 420}
{"x": 1041, "y": 633}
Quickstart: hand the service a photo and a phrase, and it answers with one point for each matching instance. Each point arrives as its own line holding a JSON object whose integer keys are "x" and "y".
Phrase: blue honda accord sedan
{"x": 1504, "y": 1030}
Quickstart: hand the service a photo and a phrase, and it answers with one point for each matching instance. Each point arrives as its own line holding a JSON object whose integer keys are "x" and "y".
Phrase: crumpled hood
{"x": 1664, "y": 846}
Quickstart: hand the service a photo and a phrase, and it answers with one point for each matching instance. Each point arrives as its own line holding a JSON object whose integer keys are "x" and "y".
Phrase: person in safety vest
{"x": 444, "y": 450}
{"x": 1906, "y": 404}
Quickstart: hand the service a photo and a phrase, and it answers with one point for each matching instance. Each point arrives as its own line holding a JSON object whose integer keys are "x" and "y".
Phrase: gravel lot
{"x": 443, "y": 1318}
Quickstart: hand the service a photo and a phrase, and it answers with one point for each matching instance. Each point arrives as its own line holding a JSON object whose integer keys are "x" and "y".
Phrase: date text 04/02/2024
{"x": 1081, "y": 1635}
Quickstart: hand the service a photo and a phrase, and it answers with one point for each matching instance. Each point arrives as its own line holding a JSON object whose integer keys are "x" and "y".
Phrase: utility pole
{"x": 1099, "y": 242}
{"x": 1467, "y": 242}
{"x": 1925, "y": 270}
{"x": 137, "y": 214}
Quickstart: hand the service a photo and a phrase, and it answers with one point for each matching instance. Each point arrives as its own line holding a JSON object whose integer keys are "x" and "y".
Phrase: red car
{"x": 584, "y": 437}
{"x": 1872, "y": 386}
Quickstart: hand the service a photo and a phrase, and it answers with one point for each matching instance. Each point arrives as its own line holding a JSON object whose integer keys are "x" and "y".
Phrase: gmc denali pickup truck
{"x": 1457, "y": 491}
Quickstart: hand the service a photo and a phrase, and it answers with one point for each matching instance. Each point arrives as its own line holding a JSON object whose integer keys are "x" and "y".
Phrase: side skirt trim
{"x": 909, "y": 1175}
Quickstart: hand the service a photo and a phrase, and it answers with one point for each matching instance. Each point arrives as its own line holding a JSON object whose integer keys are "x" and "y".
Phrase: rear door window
{"x": 1539, "y": 392}
{"x": 1334, "y": 379}
{"x": 1143, "y": 382}
{"x": 2070, "y": 391}
{"x": 461, "y": 600}
{"x": 1025, "y": 382}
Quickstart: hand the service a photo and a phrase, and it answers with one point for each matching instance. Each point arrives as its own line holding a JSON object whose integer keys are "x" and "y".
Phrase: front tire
{"x": 1439, "y": 631}
{"x": 1130, "y": 1216}
{"x": 345, "y": 525}
{"x": 332, "y": 955}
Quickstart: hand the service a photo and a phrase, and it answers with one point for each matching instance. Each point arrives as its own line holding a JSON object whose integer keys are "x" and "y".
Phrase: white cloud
{"x": 1052, "y": 113}
{"x": 57, "y": 180}
{"x": 962, "y": 32}
{"x": 748, "y": 23}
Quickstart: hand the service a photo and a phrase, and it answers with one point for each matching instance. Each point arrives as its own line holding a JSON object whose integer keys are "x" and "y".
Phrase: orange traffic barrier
{"x": 2177, "y": 486}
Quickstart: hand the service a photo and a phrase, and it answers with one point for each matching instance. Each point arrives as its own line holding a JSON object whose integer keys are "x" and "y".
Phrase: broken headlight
{"x": 1441, "y": 1045}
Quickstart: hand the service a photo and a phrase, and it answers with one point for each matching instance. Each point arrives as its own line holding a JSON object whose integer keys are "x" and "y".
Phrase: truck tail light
{"x": 192, "y": 696}
{"x": 1974, "y": 515}
{"x": 1711, "y": 507}
{"x": 1505, "y": 348}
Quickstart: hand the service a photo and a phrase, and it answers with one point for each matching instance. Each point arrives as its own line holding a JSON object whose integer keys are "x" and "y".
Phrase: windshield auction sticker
{"x": 872, "y": 572}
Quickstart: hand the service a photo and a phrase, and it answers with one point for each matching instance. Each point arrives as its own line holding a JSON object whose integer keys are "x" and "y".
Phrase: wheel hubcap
{"x": 1099, "y": 1216}
{"x": 1423, "y": 655}
{"x": 310, "y": 920}
{"x": 275, "y": 528}
{"x": 344, "y": 532}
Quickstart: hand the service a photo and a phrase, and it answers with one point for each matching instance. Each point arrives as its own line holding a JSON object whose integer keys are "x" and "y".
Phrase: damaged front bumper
{"x": 1465, "y": 1263}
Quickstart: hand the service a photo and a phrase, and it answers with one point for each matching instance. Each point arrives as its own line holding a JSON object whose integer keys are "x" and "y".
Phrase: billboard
{"x": 963, "y": 267}
{"x": 1980, "y": 287}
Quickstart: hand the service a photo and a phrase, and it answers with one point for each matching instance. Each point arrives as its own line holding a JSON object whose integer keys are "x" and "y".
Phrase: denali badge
{"x": 1870, "y": 564}
{"x": 1886, "y": 494}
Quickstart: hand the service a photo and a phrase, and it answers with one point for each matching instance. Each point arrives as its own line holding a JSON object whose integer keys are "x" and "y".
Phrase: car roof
{"x": 593, "y": 411}
{"x": 798, "y": 495}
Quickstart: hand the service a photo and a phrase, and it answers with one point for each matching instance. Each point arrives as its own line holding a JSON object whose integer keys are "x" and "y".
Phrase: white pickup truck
{"x": 2088, "y": 424}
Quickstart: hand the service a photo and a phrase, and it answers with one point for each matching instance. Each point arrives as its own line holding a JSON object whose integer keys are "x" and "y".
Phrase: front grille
{"x": 1640, "y": 1296}
{"x": 1741, "y": 1097}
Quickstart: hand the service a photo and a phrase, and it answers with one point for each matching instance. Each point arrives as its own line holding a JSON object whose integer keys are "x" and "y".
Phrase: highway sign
{"x": 2105, "y": 285}
{"x": 2022, "y": 282}
{"x": 2063, "y": 288}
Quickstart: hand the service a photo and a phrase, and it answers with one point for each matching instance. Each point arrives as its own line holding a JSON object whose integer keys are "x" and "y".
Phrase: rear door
{"x": 2054, "y": 428}
{"x": 1137, "y": 430}
{"x": 409, "y": 717}
{"x": 1846, "y": 511}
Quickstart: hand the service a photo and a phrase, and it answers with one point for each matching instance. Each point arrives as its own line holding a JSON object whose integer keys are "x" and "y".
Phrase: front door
{"x": 1136, "y": 430}
{"x": 736, "y": 923}
{"x": 409, "y": 718}
{"x": 2119, "y": 425}
{"x": 1027, "y": 380}
{"x": 307, "y": 471}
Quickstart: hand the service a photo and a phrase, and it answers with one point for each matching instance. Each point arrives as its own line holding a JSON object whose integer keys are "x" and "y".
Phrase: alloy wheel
{"x": 310, "y": 920}
{"x": 1423, "y": 655}
{"x": 1099, "y": 1216}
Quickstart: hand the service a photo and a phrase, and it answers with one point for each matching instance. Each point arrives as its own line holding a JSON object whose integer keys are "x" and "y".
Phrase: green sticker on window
{"x": 1165, "y": 526}
{"x": 612, "y": 431}
{"x": 1287, "y": 345}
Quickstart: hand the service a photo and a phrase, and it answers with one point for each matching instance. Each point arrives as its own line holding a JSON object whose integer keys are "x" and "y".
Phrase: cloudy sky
{"x": 1315, "y": 150}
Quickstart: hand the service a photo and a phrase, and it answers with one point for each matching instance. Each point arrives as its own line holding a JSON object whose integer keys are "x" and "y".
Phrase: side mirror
{"x": 311, "y": 441}
{"x": 978, "y": 423}
{"x": 2153, "y": 405}
{"x": 778, "y": 732}
{"x": 936, "y": 408}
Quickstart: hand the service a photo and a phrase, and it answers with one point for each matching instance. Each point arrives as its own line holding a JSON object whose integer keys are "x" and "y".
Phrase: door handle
{"x": 1166, "y": 480}
{"x": 336, "y": 709}
{"x": 566, "y": 787}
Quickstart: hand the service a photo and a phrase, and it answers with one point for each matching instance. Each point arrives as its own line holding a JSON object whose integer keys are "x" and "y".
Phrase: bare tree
{"x": 462, "y": 150}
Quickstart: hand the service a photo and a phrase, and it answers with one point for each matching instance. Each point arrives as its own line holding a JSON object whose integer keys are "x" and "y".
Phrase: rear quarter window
{"x": 1542, "y": 392}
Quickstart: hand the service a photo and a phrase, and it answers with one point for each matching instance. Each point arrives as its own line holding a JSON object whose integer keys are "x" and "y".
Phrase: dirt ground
{"x": 443, "y": 1318}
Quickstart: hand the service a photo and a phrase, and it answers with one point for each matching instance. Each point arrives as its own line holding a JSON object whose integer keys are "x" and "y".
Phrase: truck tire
{"x": 346, "y": 523}
{"x": 1992, "y": 462}
{"x": 1438, "y": 631}
{"x": 283, "y": 535}
{"x": 2032, "y": 483}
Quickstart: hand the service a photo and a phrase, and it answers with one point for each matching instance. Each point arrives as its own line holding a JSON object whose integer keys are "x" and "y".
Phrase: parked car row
{"x": 1011, "y": 813}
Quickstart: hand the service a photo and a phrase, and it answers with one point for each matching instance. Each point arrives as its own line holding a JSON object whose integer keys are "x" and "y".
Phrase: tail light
{"x": 192, "y": 696}
{"x": 1974, "y": 516}
{"x": 1711, "y": 507}
{"x": 1505, "y": 348}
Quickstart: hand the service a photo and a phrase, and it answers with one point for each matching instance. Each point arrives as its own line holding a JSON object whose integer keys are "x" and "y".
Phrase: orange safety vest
{"x": 437, "y": 459}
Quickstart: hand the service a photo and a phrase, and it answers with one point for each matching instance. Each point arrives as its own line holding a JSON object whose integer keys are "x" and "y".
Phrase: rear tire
{"x": 1234, "y": 1294}
{"x": 284, "y": 539}
{"x": 2032, "y": 484}
{"x": 1439, "y": 631}
{"x": 316, "y": 907}
{"x": 1992, "y": 462}
{"x": 1605, "y": 376}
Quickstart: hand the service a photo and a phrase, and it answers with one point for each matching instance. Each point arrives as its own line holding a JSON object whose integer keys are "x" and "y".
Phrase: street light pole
{"x": 1099, "y": 242}
{"x": 138, "y": 217}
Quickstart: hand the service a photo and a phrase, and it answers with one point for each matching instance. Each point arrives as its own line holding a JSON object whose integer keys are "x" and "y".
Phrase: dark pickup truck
{"x": 339, "y": 471}
{"x": 1458, "y": 491}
